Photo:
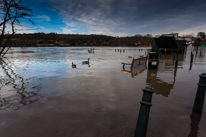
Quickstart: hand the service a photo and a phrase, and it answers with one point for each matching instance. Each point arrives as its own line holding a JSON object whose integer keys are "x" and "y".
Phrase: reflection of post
{"x": 191, "y": 61}
{"x": 195, "y": 120}
{"x": 190, "y": 66}
{"x": 175, "y": 73}
{"x": 176, "y": 63}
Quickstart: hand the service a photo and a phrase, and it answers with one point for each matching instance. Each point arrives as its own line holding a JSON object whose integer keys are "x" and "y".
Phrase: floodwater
{"x": 42, "y": 95}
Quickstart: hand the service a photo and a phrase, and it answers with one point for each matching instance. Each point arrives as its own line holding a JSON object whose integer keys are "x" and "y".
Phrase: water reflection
{"x": 170, "y": 57}
{"x": 16, "y": 91}
{"x": 158, "y": 85}
{"x": 190, "y": 66}
{"x": 137, "y": 70}
{"x": 195, "y": 120}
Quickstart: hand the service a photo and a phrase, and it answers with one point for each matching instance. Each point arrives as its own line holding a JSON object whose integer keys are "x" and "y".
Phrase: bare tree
{"x": 10, "y": 13}
{"x": 201, "y": 35}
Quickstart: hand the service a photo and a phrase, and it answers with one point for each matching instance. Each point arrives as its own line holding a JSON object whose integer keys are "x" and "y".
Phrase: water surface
{"x": 42, "y": 95}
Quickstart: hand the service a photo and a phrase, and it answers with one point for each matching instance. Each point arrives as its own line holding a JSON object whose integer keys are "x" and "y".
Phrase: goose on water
{"x": 86, "y": 62}
{"x": 74, "y": 65}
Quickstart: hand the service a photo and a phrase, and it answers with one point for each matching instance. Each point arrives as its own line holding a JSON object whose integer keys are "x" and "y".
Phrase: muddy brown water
{"x": 42, "y": 95}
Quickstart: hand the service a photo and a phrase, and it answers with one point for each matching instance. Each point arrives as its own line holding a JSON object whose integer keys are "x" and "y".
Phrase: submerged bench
{"x": 135, "y": 62}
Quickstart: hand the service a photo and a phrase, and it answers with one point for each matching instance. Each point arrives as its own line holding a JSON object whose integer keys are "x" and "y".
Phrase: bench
{"x": 135, "y": 62}
{"x": 136, "y": 71}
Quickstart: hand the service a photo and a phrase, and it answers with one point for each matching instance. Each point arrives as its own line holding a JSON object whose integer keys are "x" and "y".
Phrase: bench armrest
{"x": 126, "y": 63}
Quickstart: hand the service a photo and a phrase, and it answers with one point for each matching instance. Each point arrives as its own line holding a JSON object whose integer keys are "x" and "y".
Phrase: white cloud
{"x": 68, "y": 31}
{"x": 70, "y": 24}
{"x": 43, "y": 18}
{"x": 194, "y": 30}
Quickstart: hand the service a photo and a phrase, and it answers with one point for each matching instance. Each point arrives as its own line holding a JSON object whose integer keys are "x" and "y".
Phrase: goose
{"x": 74, "y": 65}
{"x": 86, "y": 62}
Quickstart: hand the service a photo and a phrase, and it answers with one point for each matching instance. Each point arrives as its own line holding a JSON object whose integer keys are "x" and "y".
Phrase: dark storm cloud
{"x": 129, "y": 17}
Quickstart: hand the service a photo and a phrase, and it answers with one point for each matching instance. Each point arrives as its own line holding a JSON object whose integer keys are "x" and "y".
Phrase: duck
{"x": 86, "y": 62}
{"x": 74, "y": 65}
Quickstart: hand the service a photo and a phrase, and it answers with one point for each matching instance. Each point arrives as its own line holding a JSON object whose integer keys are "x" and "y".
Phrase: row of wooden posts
{"x": 123, "y": 50}
{"x": 120, "y": 50}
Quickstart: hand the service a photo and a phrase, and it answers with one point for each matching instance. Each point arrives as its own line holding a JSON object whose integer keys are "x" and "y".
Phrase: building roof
{"x": 167, "y": 42}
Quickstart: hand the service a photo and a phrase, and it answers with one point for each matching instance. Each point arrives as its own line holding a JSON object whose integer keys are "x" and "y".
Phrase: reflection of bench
{"x": 136, "y": 71}
{"x": 135, "y": 62}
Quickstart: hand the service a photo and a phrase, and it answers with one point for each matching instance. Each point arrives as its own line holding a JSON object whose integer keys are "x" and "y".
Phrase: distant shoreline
{"x": 81, "y": 46}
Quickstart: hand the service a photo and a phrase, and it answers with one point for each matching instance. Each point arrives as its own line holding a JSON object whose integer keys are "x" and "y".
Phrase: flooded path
{"x": 42, "y": 95}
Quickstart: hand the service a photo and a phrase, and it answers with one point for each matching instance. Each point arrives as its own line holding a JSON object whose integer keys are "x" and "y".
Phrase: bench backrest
{"x": 138, "y": 61}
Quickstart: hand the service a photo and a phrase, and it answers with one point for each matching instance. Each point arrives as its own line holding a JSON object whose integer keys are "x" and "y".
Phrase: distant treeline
{"x": 53, "y": 39}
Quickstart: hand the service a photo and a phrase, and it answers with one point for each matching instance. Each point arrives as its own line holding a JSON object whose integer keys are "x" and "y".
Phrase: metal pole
{"x": 143, "y": 118}
{"x": 176, "y": 63}
{"x": 174, "y": 56}
{"x": 185, "y": 49}
{"x": 177, "y": 53}
{"x": 200, "y": 95}
{"x": 197, "y": 50}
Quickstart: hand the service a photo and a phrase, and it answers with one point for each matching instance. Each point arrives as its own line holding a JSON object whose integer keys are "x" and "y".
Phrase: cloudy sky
{"x": 118, "y": 17}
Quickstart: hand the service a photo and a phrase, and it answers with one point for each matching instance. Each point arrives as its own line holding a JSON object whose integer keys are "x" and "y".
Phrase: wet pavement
{"x": 42, "y": 95}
